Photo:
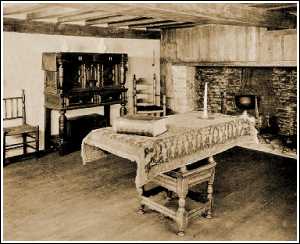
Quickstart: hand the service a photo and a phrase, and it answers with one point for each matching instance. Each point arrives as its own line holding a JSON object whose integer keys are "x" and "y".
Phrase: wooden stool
{"x": 180, "y": 182}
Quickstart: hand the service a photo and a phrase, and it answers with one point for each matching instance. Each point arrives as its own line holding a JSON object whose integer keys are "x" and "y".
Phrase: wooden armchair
{"x": 145, "y": 98}
{"x": 14, "y": 108}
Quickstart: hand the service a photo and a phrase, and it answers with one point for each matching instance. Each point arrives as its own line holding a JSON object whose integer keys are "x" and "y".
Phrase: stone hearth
{"x": 275, "y": 86}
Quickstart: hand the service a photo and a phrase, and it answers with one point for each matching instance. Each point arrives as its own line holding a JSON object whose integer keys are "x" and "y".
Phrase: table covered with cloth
{"x": 189, "y": 138}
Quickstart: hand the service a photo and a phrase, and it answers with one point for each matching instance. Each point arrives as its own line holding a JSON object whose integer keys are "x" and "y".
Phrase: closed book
{"x": 140, "y": 125}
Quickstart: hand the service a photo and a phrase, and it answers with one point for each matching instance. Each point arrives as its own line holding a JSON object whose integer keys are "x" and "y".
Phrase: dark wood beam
{"x": 133, "y": 22}
{"x": 23, "y": 26}
{"x": 176, "y": 26}
{"x": 157, "y": 24}
{"x": 108, "y": 19}
{"x": 86, "y": 16}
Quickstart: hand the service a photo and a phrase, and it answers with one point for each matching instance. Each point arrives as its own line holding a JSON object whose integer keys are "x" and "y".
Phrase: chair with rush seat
{"x": 14, "y": 109}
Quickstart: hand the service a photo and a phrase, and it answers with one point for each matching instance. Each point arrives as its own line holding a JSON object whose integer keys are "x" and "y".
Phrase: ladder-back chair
{"x": 145, "y": 98}
{"x": 14, "y": 108}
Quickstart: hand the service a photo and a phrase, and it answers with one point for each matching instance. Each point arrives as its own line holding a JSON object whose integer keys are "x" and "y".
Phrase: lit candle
{"x": 205, "y": 102}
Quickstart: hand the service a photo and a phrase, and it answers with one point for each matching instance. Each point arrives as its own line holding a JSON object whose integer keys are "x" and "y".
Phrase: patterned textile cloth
{"x": 189, "y": 138}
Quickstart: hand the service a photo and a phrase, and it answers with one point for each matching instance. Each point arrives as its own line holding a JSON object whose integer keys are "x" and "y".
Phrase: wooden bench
{"x": 14, "y": 108}
{"x": 180, "y": 182}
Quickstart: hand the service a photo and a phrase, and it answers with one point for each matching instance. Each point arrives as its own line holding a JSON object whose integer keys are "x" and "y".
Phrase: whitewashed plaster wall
{"x": 22, "y": 59}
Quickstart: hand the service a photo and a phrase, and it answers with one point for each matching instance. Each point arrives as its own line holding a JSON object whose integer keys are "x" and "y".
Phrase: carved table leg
{"x": 181, "y": 214}
{"x": 140, "y": 191}
{"x": 210, "y": 191}
{"x": 123, "y": 109}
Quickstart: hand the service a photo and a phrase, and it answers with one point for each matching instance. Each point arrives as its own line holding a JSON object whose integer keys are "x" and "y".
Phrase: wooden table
{"x": 189, "y": 138}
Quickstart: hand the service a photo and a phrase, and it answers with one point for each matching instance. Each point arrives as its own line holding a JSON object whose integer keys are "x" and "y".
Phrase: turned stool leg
{"x": 140, "y": 191}
{"x": 210, "y": 191}
{"x": 210, "y": 200}
{"x": 181, "y": 214}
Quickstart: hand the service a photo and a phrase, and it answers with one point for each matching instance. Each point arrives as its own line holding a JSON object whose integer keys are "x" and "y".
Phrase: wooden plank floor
{"x": 58, "y": 199}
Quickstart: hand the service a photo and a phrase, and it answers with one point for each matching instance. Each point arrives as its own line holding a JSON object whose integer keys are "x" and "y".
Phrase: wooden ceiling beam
{"x": 187, "y": 17}
{"x": 49, "y": 13}
{"x": 157, "y": 24}
{"x": 175, "y": 25}
{"x": 133, "y": 22}
{"x": 24, "y": 26}
{"x": 161, "y": 14}
{"x": 213, "y": 13}
{"x": 106, "y": 20}
{"x": 106, "y": 7}
{"x": 17, "y": 8}
{"x": 271, "y": 5}
{"x": 284, "y": 7}
{"x": 217, "y": 13}
{"x": 85, "y": 16}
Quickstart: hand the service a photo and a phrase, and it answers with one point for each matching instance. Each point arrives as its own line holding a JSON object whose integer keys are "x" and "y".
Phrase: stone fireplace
{"x": 276, "y": 88}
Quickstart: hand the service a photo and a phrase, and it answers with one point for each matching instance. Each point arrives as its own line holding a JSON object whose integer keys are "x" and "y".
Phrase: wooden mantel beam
{"x": 24, "y": 26}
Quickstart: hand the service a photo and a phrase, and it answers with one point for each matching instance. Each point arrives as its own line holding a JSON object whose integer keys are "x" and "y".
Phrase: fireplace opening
{"x": 234, "y": 89}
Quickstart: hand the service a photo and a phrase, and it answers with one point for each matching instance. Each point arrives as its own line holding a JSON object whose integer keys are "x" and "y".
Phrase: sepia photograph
{"x": 139, "y": 121}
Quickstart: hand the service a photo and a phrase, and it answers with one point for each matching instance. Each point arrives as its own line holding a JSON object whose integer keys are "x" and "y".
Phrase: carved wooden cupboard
{"x": 80, "y": 80}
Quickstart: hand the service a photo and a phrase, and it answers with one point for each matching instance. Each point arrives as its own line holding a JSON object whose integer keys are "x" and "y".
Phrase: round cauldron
{"x": 245, "y": 101}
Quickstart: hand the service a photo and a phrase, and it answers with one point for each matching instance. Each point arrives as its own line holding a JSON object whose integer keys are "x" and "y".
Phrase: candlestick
{"x": 205, "y": 114}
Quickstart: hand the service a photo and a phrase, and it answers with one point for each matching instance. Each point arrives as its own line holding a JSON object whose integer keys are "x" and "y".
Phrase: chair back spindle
{"x": 13, "y": 109}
